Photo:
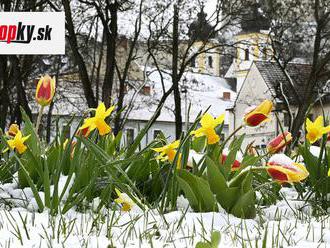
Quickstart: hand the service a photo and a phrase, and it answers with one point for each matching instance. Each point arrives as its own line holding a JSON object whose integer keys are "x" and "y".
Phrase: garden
{"x": 93, "y": 190}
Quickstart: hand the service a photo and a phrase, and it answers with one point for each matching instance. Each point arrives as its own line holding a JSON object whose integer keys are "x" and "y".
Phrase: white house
{"x": 202, "y": 92}
{"x": 267, "y": 80}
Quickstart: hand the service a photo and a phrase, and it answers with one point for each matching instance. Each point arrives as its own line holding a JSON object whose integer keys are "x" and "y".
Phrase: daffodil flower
{"x": 18, "y": 142}
{"x": 167, "y": 152}
{"x": 208, "y": 125}
{"x": 98, "y": 121}
{"x": 316, "y": 129}
{"x": 124, "y": 200}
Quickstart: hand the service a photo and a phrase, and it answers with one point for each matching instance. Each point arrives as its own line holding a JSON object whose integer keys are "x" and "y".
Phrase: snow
{"x": 281, "y": 159}
{"x": 203, "y": 92}
{"x": 239, "y": 154}
{"x": 288, "y": 223}
{"x": 315, "y": 151}
{"x": 194, "y": 156}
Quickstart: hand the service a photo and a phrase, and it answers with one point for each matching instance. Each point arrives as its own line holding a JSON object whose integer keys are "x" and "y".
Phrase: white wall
{"x": 253, "y": 92}
{"x": 168, "y": 129}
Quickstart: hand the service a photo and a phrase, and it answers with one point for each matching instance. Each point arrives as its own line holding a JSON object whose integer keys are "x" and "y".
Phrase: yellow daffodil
{"x": 12, "y": 131}
{"x": 208, "y": 125}
{"x": 258, "y": 114}
{"x": 124, "y": 200}
{"x": 45, "y": 90}
{"x": 167, "y": 152}
{"x": 329, "y": 172}
{"x": 98, "y": 121}
{"x": 18, "y": 142}
{"x": 316, "y": 129}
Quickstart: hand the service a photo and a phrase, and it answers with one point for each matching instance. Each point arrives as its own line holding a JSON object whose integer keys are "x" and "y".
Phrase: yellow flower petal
{"x": 219, "y": 120}
{"x": 265, "y": 107}
{"x": 207, "y": 120}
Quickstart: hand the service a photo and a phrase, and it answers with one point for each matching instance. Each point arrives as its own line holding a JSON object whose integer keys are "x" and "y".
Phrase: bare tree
{"x": 171, "y": 35}
{"x": 300, "y": 29}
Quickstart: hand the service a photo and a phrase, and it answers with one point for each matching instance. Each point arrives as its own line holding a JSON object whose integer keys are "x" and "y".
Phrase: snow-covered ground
{"x": 287, "y": 224}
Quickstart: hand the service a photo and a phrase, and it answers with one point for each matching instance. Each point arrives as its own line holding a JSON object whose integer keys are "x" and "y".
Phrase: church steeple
{"x": 252, "y": 19}
{"x": 200, "y": 29}
{"x": 253, "y": 42}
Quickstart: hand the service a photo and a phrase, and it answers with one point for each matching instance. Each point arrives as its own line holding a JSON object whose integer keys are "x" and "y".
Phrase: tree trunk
{"x": 22, "y": 100}
{"x": 175, "y": 78}
{"x": 111, "y": 38}
{"x": 4, "y": 99}
{"x": 298, "y": 122}
{"x": 119, "y": 106}
{"x": 87, "y": 86}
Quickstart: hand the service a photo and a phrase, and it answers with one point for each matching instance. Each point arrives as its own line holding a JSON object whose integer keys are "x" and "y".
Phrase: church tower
{"x": 203, "y": 35}
{"x": 253, "y": 43}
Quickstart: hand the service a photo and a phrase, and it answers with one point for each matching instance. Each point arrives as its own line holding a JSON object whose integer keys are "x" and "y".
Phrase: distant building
{"x": 253, "y": 44}
{"x": 201, "y": 86}
{"x": 267, "y": 80}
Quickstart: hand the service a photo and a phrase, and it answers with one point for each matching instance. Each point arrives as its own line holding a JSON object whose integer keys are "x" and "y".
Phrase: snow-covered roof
{"x": 203, "y": 92}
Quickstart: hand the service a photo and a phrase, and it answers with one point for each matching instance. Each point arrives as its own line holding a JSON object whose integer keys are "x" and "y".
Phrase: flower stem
{"x": 243, "y": 173}
{"x": 232, "y": 134}
{"x": 41, "y": 110}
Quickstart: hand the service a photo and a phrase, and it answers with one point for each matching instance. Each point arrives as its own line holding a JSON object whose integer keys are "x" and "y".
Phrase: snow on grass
{"x": 287, "y": 224}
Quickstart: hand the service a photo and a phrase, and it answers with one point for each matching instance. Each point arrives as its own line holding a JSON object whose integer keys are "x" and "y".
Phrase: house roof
{"x": 203, "y": 92}
{"x": 274, "y": 77}
{"x": 276, "y": 80}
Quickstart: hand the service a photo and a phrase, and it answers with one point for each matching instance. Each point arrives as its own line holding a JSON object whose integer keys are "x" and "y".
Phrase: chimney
{"x": 226, "y": 96}
{"x": 146, "y": 90}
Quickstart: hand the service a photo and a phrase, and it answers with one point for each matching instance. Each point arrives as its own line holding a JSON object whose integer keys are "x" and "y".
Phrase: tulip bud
{"x": 277, "y": 144}
{"x": 237, "y": 162}
{"x": 45, "y": 90}
{"x": 284, "y": 170}
{"x": 13, "y": 129}
{"x": 85, "y": 132}
{"x": 258, "y": 114}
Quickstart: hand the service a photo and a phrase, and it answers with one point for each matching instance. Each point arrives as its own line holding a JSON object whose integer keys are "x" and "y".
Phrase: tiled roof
{"x": 276, "y": 79}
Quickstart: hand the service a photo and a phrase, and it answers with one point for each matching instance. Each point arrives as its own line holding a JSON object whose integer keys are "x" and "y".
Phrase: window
{"x": 156, "y": 133}
{"x": 193, "y": 62}
{"x": 247, "y": 54}
{"x": 129, "y": 135}
{"x": 210, "y": 61}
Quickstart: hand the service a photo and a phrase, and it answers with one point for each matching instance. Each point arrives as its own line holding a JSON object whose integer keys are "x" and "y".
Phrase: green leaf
{"x": 202, "y": 191}
{"x": 31, "y": 184}
{"x": 33, "y": 142}
{"x": 189, "y": 194}
{"x": 198, "y": 144}
{"x": 216, "y": 179}
{"x": 245, "y": 206}
{"x": 215, "y": 239}
{"x": 225, "y": 196}
{"x": 234, "y": 148}
{"x": 201, "y": 244}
